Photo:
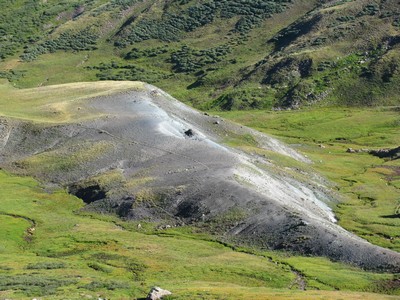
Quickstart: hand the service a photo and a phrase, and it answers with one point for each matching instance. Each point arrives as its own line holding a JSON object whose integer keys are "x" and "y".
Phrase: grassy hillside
{"x": 58, "y": 103}
{"x": 239, "y": 59}
{"x": 369, "y": 185}
{"x": 214, "y": 54}
{"x": 50, "y": 247}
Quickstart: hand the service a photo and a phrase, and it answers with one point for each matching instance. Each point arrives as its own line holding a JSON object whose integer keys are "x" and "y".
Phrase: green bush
{"x": 241, "y": 100}
{"x": 110, "y": 285}
{"x": 135, "y": 53}
{"x": 172, "y": 26}
{"x": 33, "y": 284}
{"x": 12, "y": 75}
{"x": 188, "y": 60}
{"x": 370, "y": 10}
{"x": 85, "y": 39}
{"x": 22, "y": 24}
{"x": 115, "y": 71}
{"x": 99, "y": 267}
{"x": 46, "y": 266}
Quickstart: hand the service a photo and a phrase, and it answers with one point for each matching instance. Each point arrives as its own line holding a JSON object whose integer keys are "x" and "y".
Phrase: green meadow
{"x": 367, "y": 186}
{"x": 51, "y": 249}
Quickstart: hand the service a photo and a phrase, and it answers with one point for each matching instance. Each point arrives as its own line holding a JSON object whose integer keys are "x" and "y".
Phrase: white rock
{"x": 157, "y": 293}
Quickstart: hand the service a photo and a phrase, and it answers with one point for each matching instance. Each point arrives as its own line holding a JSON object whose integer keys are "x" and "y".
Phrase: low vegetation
{"x": 79, "y": 255}
{"x": 225, "y": 55}
{"x": 368, "y": 186}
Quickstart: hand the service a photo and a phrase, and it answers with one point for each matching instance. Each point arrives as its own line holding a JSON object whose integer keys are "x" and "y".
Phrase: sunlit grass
{"x": 57, "y": 103}
{"x": 368, "y": 186}
{"x": 77, "y": 252}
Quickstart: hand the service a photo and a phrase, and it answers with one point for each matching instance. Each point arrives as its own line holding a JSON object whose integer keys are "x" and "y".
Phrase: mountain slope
{"x": 214, "y": 54}
{"x": 131, "y": 151}
{"x": 145, "y": 156}
{"x": 51, "y": 250}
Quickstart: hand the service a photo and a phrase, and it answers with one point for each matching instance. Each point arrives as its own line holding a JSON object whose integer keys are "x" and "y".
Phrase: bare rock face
{"x": 146, "y": 156}
{"x": 157, "y": 293}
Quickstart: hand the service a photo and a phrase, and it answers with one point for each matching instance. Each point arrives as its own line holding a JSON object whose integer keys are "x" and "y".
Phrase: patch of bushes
{"x": 104, "y": 257}
{"x": 22, "y": 24}
{"x": 136, "y": 53}
{"x": 136, "y": 269}
{"x": 18, "y": 23}
{"x": 370, "y": 10}
{"x": 46, "y": 266}
{"x": 133, "y": 266}
{"x": 33, "y": 284}
{"x": 98, "y": 267}
{"x": 110, "y": 285}
{"x": 251, "y": 12}
{"x": 241, "y": 100}
{"x": 345, "y": 18}
{"x": 12, "y": 75}
{"x": 359, "y": 79}
{"x": 172, "y": 26}
{"x": 85, "y": 39}
{"x": 116, "y": 71}
{"x": 188, "y": 60}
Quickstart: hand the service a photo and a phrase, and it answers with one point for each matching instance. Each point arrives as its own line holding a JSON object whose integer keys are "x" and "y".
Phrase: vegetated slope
{"x": 142, "y": 155}
{"x": 51, "y": 250}
{"x": 214, "y": 54}
{"x": 369, "y": 184}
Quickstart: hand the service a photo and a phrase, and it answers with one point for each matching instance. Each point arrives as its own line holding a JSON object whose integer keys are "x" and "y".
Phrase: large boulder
{"x": 157, "y": 293}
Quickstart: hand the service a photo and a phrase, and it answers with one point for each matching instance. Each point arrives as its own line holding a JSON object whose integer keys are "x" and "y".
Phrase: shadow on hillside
{"x": 394, "y": 216}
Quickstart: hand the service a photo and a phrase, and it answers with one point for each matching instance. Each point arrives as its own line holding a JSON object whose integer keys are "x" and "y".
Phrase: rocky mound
{"x": 145, "y": 156}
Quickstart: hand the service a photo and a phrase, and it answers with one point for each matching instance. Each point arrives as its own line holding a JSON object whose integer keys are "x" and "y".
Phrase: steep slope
{"x": 145, "y": 156}
{"x": 213, "y": 54}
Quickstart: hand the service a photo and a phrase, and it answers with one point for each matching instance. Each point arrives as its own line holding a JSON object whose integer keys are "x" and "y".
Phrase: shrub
{"x": 172, "y": 26}
{"x": 188, "y": 60}
{"x": 46, "y": 266}
{"x": 33, "y": 284}
{"x": 110, "y": 285}
{"x": 69, "y": 40}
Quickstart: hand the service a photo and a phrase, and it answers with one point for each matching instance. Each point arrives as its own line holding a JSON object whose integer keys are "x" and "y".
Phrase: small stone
{"x": 350, "y": 150}
{"x": 189, "y": 133}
